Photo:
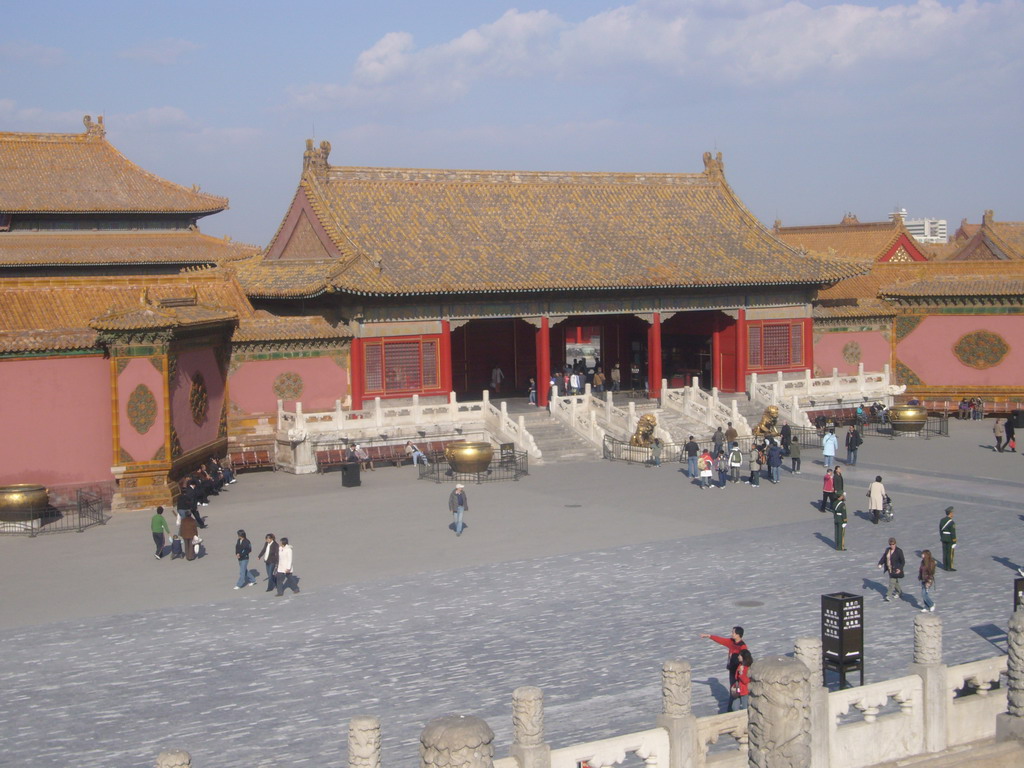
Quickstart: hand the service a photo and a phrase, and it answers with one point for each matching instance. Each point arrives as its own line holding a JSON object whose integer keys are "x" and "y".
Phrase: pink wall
{"x": 56, "y": 421}
{"x": 190, "y": 434}
{"x": 140, "y": 446}
{"x": 828, "y": 351}
{"x": 928, "y": 351}
{"x": 323, "y": 382}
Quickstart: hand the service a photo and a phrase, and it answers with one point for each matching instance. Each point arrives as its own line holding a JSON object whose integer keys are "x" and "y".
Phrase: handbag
{"x": 734, "y": 690}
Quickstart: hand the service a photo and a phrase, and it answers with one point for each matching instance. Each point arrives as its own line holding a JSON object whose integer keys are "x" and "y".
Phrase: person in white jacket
{"x": 285, "y": 575}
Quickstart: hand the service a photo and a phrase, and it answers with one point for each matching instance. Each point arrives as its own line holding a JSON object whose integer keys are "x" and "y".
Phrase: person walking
{"x": 853, "y": 442}
{"x": 735, "y": 461}
{"x": 692, "y": 451}
{"x": 794, "y": 455}
{"x": 270, "y": 556}
{"x": 739, "y": 691}
{"x": 656, "y": 452}
{"x": 893, "y": 563}
{"x": 719, "y": 440}
{"x": 189, "y": 532}
{"x": 829, "y": 446}
{"x": 735, "y": 645}
{"x": 838, "y": 483}
{"x": 786, "y": 433}
{"x": 497, "y": 376}
{"x": 998, "y": 431}
{"x": 285, "y": 573}
{"x": 828, "y": 491}
{"x": 242, "y": 551}
{"x": 926, "y": 575}
{"x": 947, "y": 535}
{"x": 775, "y": 462}
{"x": 731, "y": 435}
{"x": 1011, "y": 435}
{"x": 458, "y": 504}
{"x": 158, "y": 525}
{"x": 876, "y": 499}
{"x": 839, "y": 519}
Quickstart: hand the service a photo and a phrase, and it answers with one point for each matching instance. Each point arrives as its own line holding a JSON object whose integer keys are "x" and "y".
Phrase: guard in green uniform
{"x": 947, "y": 533}
{"x": 839, "y": 518}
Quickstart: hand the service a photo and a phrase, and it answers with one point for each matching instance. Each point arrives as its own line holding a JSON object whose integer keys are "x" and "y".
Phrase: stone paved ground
{"x": 581, "y": 578}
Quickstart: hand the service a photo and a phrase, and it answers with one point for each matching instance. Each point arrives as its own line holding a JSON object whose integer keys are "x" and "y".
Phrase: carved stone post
{"x": 528, "y": 746}
{"x": 1010, "y": 724}
{"x": 677, "y": 715}
{"x": 174, "y": 758}
{"x": 457, "y": 741}
{"x": 807, "y": 650}
{"x": 929, "y": 667}
{"x": 364, "y": 742}
{"x": 779, "y": 714}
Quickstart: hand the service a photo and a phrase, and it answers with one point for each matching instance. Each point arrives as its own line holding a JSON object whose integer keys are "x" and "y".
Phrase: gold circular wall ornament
{"x": 141, "y": 409}
{"x": 851, "y": 352}
{"x": 981, "y": 349}
{"x": 288, "y": 386}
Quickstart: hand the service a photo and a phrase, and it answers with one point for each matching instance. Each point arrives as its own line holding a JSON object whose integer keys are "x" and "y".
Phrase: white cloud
{"x": 161, "y": 52}
{"x": 16, "y": 117}
{"x": 32, "y": 53}
{"x": 713, "y": 42}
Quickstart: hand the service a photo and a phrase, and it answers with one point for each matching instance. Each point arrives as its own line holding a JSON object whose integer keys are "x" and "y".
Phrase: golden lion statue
{"x": 767, "y": 426}
{"x": 644, "y": 434}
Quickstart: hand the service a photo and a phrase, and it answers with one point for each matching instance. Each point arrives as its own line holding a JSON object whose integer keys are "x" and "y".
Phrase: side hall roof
{"x": 852, "y": 239}
{"x": 73, "y": 247}
{"x": 393, "y": 231}
{"x": 83, "y": 173}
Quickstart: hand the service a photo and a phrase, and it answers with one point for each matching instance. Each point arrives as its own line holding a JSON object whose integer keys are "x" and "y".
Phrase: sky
{"x": 819, "y": 108}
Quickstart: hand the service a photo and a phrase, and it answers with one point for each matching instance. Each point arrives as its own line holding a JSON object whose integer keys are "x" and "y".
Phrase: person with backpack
{"x": 706, "y": 468}
{"x": 756, "y": 456}
{"x": 735, "y": 461}
{"x": 794, "y": 455}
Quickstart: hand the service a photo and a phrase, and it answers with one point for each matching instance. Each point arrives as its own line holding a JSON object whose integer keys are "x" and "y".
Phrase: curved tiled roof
{"x": 121, "y": 247}
{"x": 271, "y": 328}
{"x": 850, "y": 239}
{"x": 83, "y": 173}
{"x": 416, "y": 231}
{"x": 946, "y": 286}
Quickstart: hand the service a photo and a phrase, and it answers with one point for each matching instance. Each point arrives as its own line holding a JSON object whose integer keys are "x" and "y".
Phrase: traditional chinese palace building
{"x": 945, "y": 317}
{"x": 442, "y": 275}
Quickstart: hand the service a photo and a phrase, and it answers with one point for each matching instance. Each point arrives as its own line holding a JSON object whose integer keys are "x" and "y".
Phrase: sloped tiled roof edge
{"x": 41, "y": 171}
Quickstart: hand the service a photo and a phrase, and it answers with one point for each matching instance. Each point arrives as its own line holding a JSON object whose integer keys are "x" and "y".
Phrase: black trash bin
{"x": 350, "y": 475}
{"x": 1017, "y": 417}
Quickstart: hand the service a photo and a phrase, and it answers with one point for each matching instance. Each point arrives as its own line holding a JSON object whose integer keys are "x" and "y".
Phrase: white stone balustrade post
{"x": 734, "y": 417}
{"x": 808, "y": 651}
{"x": 457, "y": 741}
{"x": 753, "y": 386}
{"x": 528, "y": 745}
{"x": 416, "y": 410}
{"x": 609, "y": 403}
{"x": 695, "y": 383}
{"x": 300, "y": 420}
{"x": 631, "y": 426}
{"x": 677, "y": 714}
{"x": 486, "y": 397}
{"x": 586, "y": 389}
{"x": 280, "y": 412}
{"x": 378, "y": 414}
{"x": 929, "y": 667}
{"x": 1010, "y": 724}
{"x": 339, "y": 415}
{"x": 662, "y": 395}
{"x": 174, "y": 758}
{"x": 779, "y": 714}
{"x": 835, "y": 379}
{"x": 795, "y": 410}
{"x": 807, "y": 380}
{"x": 364, "y": 742}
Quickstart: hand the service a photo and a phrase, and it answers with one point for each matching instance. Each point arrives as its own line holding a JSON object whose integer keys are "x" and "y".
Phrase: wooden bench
{"x": 251, "y": 458}
{"x": 328, "y": 458}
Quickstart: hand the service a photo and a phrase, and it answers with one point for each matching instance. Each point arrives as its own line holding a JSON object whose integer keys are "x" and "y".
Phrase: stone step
{"x": 556, "y": 441}
{"x": 988, "y": 753}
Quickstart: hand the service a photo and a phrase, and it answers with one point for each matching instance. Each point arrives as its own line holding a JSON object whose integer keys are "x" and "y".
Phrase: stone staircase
{"x": 988, "y": 753}
{"x": 556, "y": 441}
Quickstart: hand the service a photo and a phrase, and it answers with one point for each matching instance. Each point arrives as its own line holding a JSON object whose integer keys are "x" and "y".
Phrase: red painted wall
{"x": 928, "y": 351}
{"x": 56, "y": 420}
{"x": 251, "y": 385}
{"x": 140, "y": 446}
{"x": 190, "y": 434}
{"x": 828, "y": 351}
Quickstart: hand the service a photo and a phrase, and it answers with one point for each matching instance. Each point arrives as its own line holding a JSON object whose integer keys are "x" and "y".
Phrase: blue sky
{"x": 819, "y": 108}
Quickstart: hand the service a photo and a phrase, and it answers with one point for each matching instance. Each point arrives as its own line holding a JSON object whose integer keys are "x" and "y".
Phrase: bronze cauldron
{"x": 907, "y": 418}
{"x": 22, "y": 502}
{"x": 469, "y": 457}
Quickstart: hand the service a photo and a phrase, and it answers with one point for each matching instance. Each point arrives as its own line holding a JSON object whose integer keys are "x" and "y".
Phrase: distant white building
{"x": 923, "y": 230}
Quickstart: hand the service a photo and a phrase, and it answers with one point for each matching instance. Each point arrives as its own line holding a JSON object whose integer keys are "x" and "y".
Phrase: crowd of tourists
{"x": 195, "y": 493}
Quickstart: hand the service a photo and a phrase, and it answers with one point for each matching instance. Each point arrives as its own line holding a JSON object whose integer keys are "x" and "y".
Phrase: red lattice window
{"x": 775, "y": 345}
{"x": 401, "y": 366}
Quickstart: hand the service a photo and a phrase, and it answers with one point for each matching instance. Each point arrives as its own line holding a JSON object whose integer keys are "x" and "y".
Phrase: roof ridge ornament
{"x": 713, "y": 166}
{"x": 94, "y": 130}
{"x": 314, "y": 159}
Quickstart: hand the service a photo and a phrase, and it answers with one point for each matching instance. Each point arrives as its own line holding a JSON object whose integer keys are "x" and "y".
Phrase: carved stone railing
{"x": 711, "y": 729}
{"x": 972, "y": 716}
{"x": 502, "y": 427}
{"x": 893, "y": 736}
{"x": 704, "y": 407}
{"x": 651, "y": 746}
{"x": 577, "y": 413}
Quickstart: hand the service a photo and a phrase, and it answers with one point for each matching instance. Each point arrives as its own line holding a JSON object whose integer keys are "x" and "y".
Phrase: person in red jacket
{"x": 739, "y": 692}
{"x": 735, "y": 645}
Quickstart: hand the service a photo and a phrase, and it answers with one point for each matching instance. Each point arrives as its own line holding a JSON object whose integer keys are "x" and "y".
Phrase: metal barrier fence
{"x": 934, "y": 426}
{"x": 88, "y": 507}
{"x": 506, "y": 465}
{"x": 619, "y": 450}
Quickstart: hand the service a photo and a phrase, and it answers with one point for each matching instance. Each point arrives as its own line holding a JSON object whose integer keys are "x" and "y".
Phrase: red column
{"x": 654, "y": 357}
{"x": 809, "y": 344}
{"x": 446, "y": 357}
{"x": 355, "y": 365}
{"x": 716, "y": 353}
{"x": 741, "y": 351}
{"x": 543, "y": 362}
